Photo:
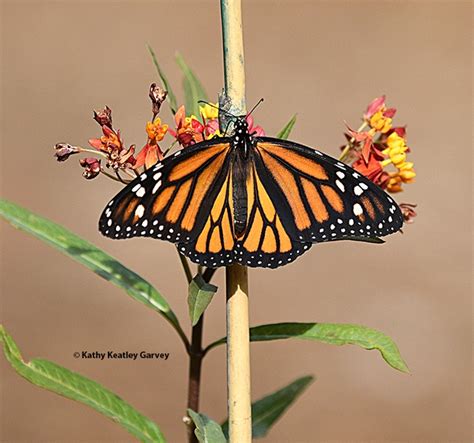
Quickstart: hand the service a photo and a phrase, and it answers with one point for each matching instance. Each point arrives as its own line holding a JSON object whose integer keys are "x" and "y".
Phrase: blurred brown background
{"x": 324, "y": 60}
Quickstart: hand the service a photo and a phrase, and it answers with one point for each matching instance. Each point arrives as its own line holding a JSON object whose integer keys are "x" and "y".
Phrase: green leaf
{"x": 207, "y": 430}
{"x": 55, "y": 378}
{"x": 193, "y": 89}
{"x": 285, "y": 132}
{"x": 267, "y": 410}
{"x": 200, "y": 295}
{"x": 332, "y": 333}
{"x": 375, "y": 240}
{"x": 171, "y": 97}
{"x": 89, "y": 255}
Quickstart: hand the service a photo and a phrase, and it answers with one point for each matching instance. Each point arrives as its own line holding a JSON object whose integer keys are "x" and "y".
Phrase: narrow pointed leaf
{"x": 62, "y": 381}
{"x": 200, "y": 295}
{"x": 89, "y": 255}
{"x": 376, "y": 240}
{"x": 285, "y": 132}
{"x": 171, "y": 97}
{"x": 267, "y": 410}
{"x": 332, "y": 333}
{"x": 193, "y": 89}
{"x": 207, "y": 430}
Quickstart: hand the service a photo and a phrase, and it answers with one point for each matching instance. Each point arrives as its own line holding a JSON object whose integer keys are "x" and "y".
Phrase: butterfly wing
{"x": 264, "y": 242}
{"x": 267, "y": 242}
{"x": 171, "y": 200}
{"x": 215, "y": 243}
{"x": 321, "y": 199}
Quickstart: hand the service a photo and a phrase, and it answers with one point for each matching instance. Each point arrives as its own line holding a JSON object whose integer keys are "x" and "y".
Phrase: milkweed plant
{"x": 377, "y": 149}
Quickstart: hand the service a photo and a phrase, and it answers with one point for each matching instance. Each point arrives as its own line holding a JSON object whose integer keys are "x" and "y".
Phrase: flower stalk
{"x": 238, "y": 340}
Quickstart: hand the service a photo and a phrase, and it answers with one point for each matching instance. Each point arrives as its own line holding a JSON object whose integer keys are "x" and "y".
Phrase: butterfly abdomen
{"x": 239, "y": 194}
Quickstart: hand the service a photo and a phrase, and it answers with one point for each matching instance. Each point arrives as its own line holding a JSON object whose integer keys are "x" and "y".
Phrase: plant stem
{"x": 238, "y": 355}
{"x": 195, "y": 364}
{"x": 233, "y": 45}
{"x": 195, "y": 353}
{"x": 186, "y": 268}
{"x": 238, "y": 343}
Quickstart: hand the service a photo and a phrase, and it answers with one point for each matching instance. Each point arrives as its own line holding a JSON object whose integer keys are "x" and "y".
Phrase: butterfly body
{"x": 257, "y": 201}
{"x": 242, "y": 146}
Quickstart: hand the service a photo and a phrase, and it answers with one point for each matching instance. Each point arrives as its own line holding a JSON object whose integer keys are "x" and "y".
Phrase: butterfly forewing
{"x": 322, "y": 199}
{"x": 172, "y": 199}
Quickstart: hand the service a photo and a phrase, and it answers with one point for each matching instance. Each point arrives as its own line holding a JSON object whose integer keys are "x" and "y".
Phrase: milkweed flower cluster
{"x": 109, "y": 146}
{"x": 378, "y": 150}
{"x": 118, "y": 160}
{"x": 378, "y": 144}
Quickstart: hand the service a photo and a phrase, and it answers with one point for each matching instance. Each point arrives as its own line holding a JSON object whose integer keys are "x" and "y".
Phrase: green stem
{"x": 196, "y": 356}
{"x": 186, "y": 268}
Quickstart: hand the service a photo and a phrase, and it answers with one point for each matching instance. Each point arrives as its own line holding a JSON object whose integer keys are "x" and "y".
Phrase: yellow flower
{"x": 407, "y": 176}
{"x": 406, "y": 166}
{"x": 396, "y": 153}
{"x": 394, "y": 184}
{"x": 209, "y": 111}
{"x": 156, "y": 131}
{"x": 396, "y": 150}
{"x": 397, "y": 158}
{"x": 395, "y": 141}
{"x": 406, "y": 172}
{"x": 380, "y": 123}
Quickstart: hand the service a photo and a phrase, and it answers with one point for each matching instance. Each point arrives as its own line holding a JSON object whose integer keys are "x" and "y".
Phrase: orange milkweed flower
{"x": 188, "y": 129}
{"x": 151, "y": 153}
{"x": 111, "y": 145}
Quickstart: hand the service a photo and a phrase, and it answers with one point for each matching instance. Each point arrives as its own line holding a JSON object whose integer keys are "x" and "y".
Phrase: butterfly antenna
{"x": 253, "y": 109}
{"x": 217, "y": 107}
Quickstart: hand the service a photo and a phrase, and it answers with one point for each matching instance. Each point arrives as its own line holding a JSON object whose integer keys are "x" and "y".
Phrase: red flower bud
{"x": 64, "y": 150}
{"x": 408, "y": 211}
{"x": 157, "y": 96}
{"x": 400, "y": 131}
{"x": 390, "y": 112}
{"x": 104, "y": 117}
{"x": 91, "y": 167}
{"x": 374, "y": 106}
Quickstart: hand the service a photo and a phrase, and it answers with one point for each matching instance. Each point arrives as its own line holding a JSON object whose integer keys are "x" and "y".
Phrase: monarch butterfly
{"x": 257, "y": 201}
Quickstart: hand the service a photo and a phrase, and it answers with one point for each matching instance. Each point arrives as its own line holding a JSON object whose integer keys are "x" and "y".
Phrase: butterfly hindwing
{"x": 171, "y": 199}
{"x": 266, "y": 242}
{"x": 215, "y": 243}
{"x": 322, "y": 199}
